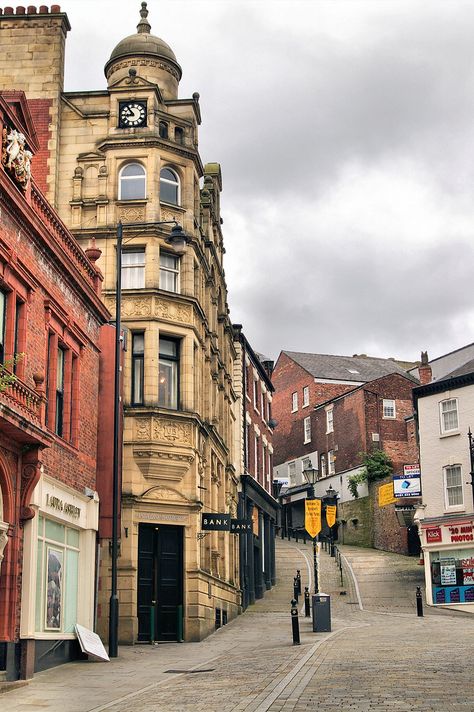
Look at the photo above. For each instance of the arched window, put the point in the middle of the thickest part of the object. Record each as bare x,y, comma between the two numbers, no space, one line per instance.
169,186
163,129
179,134
132,182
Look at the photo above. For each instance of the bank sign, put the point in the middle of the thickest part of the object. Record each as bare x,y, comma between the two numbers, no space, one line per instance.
408,484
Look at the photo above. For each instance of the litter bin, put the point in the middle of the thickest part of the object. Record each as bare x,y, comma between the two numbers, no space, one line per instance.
321,613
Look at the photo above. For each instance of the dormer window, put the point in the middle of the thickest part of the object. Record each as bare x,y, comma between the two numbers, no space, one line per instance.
163,129
169,186
132,182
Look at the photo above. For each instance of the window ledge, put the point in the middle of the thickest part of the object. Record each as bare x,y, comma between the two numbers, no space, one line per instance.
389,417
173,205
305,442
305,405
450,434
455,510
295,410
132,201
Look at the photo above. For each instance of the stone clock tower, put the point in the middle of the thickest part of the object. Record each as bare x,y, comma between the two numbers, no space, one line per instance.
129,153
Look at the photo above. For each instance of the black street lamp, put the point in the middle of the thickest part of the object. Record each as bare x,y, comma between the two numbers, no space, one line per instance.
471,454
310,474
331,499
178,240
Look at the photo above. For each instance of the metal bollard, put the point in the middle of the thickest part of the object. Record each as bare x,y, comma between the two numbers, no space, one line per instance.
419,602
295,589
296,535
298,576
295,625
304,537
307,609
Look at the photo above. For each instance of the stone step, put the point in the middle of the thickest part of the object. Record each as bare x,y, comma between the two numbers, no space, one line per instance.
15,684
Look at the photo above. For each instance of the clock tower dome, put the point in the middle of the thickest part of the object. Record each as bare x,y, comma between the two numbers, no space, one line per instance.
149,55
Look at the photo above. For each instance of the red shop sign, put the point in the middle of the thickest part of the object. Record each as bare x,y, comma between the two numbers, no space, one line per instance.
433,534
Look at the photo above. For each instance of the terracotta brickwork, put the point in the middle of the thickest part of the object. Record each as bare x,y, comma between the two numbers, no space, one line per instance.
289,377
51,295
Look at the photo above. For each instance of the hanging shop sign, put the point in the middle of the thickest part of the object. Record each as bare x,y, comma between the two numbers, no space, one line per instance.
211,522
331,515
312,517
240,526
408,484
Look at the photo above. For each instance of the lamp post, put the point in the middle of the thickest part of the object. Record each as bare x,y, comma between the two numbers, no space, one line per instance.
178,240
310,474
331,499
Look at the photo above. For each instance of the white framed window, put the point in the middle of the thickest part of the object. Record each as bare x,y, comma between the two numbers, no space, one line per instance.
133,269
330,420
169,271
169,187
132,182
294,402
292,472
57,573
168,374
323,465
448,411
305,396
262,401
331,463
256,460
255,394
388,406
307,430
453,485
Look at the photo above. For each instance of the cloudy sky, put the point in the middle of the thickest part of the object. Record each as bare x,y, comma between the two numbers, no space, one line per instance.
345,132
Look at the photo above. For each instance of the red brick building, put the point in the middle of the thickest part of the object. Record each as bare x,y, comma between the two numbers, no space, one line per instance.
329,410
52,314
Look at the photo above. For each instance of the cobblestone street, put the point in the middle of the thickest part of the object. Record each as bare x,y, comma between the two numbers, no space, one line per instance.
379,655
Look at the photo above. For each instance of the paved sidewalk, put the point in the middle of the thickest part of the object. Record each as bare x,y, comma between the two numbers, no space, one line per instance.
381,659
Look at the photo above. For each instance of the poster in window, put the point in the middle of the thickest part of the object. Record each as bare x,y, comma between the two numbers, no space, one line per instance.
448,572
54,589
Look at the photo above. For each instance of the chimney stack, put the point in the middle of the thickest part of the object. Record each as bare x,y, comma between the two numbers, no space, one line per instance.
424,369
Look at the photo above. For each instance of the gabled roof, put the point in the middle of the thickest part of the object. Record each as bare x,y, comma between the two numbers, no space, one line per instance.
357,368
460,377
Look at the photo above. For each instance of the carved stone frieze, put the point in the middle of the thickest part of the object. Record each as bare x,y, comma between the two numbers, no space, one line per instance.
138,306
143,428
173,312
132,214
172,431
143,63
167,214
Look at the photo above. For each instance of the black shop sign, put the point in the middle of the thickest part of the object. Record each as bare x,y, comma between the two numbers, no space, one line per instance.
215,522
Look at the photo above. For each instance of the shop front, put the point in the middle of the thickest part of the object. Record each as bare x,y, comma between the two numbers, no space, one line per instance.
448,545
59,565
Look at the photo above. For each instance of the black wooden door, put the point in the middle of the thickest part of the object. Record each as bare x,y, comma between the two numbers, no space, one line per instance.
160,581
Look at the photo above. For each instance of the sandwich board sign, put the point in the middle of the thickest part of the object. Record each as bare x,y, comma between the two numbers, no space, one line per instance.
91,644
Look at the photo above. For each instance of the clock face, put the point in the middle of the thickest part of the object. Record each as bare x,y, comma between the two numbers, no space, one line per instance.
132,114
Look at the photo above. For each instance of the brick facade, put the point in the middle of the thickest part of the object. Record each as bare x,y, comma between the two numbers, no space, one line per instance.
289,377
50,293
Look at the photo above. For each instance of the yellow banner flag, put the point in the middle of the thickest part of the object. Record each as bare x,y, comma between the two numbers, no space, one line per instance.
331,514
312,518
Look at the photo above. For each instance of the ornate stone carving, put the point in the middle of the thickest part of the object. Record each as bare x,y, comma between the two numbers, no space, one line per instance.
143,429
132,214
141,306
16,157
173,312
172,431
167,214
143,63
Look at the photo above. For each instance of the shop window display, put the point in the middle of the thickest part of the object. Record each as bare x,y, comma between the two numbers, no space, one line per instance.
452,576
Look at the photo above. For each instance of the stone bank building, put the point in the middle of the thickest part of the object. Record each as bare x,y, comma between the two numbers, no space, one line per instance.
129,154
